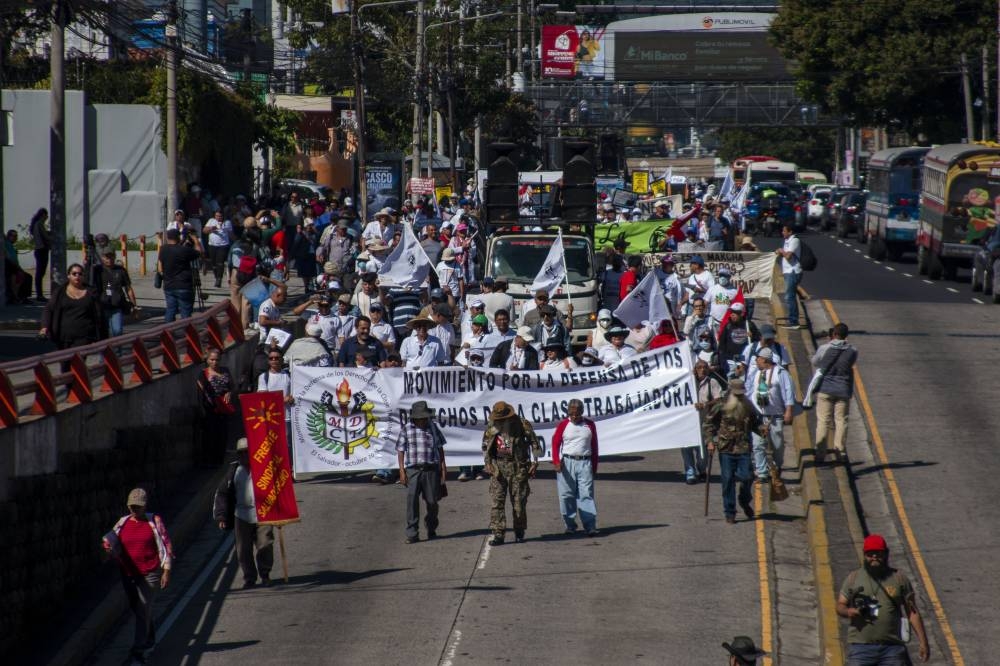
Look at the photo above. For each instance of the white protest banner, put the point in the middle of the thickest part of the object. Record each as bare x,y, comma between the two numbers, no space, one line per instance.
407,265
349,419
753,271
645,303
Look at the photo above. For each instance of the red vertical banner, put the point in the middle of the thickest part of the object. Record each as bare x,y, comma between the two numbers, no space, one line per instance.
560,44
264,424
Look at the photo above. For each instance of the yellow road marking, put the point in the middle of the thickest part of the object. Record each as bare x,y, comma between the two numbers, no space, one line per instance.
766,639
826,592
897,500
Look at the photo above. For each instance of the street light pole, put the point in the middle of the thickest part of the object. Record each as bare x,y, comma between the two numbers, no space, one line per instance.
171,34
418,118
359,111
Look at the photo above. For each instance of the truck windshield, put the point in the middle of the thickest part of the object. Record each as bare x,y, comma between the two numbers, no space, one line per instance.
520,258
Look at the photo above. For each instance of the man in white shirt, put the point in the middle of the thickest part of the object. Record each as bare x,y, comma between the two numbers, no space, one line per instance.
450,275
501,333
345,319
770,390
443,330
422,350
495,297
574,457
382,330
269,313
673,290
700,278
382,228
220,235
617,351
791,271
720,295
767,341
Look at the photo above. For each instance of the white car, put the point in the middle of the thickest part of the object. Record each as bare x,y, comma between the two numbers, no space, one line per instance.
817,200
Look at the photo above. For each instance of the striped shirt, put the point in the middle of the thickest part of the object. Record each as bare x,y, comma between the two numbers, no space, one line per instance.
420,446
405,306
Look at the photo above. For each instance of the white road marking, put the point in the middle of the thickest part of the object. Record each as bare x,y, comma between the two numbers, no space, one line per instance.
225,547
452,648
838,240
928,282
890,268
485,556
834,237
907,275
878,263
859,252
952,290
978,301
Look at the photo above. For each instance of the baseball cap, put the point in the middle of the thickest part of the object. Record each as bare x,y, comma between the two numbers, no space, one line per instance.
724,271
603,314
875,542
767,331
137,497
667,259
696,259
480,319
524,332
487,281
437,293
477,303
444,310
737,307
766,353
377,307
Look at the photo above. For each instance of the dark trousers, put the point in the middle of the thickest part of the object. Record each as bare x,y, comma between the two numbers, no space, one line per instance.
735,468
217,255
141,590
424,483
251,537
41,263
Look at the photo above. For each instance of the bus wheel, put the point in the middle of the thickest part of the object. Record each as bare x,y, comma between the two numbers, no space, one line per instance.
922,260
934,266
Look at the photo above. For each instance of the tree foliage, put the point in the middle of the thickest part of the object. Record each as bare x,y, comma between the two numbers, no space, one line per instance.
808,147
892,63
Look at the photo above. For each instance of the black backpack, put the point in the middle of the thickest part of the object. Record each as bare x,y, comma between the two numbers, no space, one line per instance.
807,258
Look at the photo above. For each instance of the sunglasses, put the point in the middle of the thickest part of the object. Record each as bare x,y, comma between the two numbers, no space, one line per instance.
274,358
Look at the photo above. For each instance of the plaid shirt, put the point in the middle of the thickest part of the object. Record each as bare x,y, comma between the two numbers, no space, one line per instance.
420,446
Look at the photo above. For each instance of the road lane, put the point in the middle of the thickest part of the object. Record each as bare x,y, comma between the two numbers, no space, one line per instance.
928,355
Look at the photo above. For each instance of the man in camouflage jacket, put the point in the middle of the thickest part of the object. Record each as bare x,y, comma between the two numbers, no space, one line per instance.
729,422
510,453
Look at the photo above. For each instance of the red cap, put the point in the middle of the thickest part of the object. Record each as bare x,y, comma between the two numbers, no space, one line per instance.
875,542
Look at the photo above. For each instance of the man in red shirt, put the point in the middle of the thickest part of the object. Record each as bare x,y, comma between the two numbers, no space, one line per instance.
574,456
140,543
630,278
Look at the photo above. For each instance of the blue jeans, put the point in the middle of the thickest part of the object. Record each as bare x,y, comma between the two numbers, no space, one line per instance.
864,654
735,468
116,322
178,301
575,485
777,436
694,464
792,281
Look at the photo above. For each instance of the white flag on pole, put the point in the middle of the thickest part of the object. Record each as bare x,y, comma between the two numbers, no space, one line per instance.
739,201
553,271
407,265
728,187
645,303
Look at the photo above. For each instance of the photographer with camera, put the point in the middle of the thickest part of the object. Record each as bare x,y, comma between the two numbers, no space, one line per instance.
881,606
175,263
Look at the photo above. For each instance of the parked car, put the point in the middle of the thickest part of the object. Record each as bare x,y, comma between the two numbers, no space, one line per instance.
306,189
818,201
850,214
831,211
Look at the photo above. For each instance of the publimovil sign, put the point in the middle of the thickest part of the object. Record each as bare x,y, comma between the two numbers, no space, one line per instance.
569,51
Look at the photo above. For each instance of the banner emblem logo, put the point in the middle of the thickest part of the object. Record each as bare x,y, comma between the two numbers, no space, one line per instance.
342,422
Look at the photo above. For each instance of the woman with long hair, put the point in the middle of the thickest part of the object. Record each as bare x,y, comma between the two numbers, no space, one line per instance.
74,316
218,402
42,239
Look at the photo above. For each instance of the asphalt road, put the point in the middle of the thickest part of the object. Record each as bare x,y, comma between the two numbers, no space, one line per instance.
928,358
661,579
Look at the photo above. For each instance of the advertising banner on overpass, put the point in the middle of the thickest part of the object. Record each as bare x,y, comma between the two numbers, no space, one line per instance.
697,56
349,419
570,51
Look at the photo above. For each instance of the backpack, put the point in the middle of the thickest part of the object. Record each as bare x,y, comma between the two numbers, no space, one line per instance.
807,258
115,284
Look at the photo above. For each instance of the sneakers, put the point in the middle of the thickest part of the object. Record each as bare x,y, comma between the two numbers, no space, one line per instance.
793,327
481,476
376,478
412,539
594,532
570,530
519,537
496,540
464,477
691,480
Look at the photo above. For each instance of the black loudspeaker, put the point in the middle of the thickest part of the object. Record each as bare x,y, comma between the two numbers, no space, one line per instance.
579,188
501,183
610,153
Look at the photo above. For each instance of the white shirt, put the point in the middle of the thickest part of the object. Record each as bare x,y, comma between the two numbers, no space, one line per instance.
497,300
277,381
702,282
331,329
672,290
792,245
493,340
364,302
374,230
443,332
610,355
576,440
267,310
426,354
779,389
246,508
345,328
219,234
383,332
449,275
718,299
559,364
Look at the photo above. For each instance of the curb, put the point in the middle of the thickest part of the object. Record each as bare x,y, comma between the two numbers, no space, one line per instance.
815,514
78,648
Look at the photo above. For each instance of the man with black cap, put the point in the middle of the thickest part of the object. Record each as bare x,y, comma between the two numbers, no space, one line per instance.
767,341
422,468
533,316
673,290
875,599
175,264
444,330
727,427
743,652
510,452
617,351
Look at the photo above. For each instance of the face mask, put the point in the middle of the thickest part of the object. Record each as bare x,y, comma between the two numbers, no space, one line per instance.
704,345
587,360
724,280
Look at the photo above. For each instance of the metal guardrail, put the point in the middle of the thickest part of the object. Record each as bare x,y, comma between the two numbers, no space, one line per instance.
179,345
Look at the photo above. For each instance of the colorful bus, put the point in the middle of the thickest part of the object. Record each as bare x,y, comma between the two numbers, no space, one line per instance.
959,196
892,211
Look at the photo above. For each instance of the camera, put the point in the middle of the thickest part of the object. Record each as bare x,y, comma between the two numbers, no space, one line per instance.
866,605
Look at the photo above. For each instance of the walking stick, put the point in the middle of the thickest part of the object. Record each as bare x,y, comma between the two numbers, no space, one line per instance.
708,477
281,545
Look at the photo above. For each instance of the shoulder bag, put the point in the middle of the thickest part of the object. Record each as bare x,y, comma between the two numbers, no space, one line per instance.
808,401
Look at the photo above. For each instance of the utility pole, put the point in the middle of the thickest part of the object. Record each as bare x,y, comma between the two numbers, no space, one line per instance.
171,34
3,142
970,127
449,91
986,95
57,145
417,109
359,112
520,38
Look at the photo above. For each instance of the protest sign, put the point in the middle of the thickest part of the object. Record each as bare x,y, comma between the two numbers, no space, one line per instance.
264,424
753,272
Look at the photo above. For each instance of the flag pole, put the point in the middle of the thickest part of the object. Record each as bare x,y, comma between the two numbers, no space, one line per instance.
281,545
569,294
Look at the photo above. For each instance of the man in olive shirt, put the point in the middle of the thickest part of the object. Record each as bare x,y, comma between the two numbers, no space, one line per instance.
875,598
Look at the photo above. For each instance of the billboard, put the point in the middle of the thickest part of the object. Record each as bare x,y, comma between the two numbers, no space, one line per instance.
384,180
697,56
570,51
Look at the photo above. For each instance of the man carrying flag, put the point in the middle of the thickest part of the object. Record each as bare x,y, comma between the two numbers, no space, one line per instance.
735,333
550,276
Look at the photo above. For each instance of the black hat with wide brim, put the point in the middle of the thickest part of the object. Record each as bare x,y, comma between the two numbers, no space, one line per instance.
744,648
